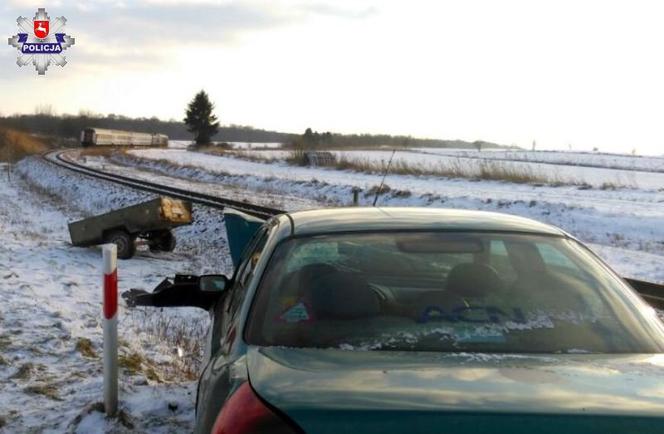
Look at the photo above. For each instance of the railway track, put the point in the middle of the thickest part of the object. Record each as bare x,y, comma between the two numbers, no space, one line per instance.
653,293
59,158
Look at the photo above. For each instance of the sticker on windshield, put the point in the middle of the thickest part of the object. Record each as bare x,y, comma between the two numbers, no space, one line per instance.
432,313
296,313
480,335
471,314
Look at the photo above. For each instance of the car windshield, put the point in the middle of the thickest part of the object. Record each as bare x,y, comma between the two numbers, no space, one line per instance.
448,292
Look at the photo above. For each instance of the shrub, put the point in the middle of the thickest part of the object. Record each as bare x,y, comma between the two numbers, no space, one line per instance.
15,145
297,156
373,190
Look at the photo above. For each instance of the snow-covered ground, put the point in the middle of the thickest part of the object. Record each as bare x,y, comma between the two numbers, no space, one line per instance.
50,321
263,145
595,173
50,315
195,180
590,159
237,145
179,144
625,218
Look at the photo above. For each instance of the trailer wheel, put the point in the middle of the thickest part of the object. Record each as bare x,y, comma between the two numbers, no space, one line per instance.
124,242
164,242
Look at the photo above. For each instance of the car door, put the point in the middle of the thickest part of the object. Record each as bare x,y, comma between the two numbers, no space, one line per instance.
215,382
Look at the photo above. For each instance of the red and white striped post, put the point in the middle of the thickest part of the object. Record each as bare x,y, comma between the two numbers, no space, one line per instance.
110,253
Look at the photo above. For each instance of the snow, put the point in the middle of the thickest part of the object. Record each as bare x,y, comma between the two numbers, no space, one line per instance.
237,145
52,307
624,218
639,265
633,172
51,294
179,144
245,145
193,179
591,159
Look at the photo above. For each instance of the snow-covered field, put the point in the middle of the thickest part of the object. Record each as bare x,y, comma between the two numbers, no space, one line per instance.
180,144
624,218
50,315
633,172
590,159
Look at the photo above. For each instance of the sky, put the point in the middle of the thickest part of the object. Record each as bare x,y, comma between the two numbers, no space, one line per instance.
567,74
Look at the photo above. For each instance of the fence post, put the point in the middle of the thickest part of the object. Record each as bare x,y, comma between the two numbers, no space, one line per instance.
110,329
356,195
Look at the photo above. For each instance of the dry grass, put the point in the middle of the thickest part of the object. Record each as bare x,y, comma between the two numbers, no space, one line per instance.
297,157
5,341
608,186
220,149
84,346
98,407
494,171
227,151
373,190
24,372
132,362
48,390
102,151
251,156
15,145
386,189
184,336
487,170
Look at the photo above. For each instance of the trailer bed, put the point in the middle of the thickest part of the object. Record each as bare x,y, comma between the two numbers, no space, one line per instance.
151,220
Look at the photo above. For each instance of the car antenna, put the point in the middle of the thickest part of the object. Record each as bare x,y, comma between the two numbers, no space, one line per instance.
387,169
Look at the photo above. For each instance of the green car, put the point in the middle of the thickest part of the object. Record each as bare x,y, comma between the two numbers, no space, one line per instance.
408,320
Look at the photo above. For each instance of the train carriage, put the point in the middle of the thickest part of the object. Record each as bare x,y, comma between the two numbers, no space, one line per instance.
104,137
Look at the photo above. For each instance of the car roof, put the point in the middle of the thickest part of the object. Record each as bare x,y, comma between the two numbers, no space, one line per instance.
359,219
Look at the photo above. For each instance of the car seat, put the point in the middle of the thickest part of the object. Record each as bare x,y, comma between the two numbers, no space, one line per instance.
337,294
472,280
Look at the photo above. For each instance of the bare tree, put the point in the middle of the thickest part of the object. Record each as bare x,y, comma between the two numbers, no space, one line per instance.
44,110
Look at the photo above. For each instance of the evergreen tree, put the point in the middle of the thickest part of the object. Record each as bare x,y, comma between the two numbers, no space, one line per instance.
308,137
200,121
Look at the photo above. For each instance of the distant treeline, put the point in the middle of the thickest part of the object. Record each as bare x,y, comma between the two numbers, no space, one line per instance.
314,139
70,126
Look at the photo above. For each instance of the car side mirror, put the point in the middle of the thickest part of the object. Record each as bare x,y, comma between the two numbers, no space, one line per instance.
181,291
214,283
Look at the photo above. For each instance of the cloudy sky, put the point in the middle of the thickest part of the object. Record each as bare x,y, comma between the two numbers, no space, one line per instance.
564,73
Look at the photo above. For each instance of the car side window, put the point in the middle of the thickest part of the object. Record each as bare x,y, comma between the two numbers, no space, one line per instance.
246,271
234,298
499,260
554,258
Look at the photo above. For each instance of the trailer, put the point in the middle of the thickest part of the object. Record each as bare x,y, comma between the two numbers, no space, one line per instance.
104,137
151,221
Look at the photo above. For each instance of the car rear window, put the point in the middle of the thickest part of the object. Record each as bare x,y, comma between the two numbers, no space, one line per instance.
441,291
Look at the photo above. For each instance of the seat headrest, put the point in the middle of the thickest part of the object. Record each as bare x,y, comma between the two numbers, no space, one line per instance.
336,294
473,280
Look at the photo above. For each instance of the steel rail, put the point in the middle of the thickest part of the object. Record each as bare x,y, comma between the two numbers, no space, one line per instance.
57,158
653,293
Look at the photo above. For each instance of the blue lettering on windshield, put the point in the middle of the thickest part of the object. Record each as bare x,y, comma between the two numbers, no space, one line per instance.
471,314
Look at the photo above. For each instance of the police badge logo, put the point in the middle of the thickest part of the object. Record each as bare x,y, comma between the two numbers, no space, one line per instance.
41,43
